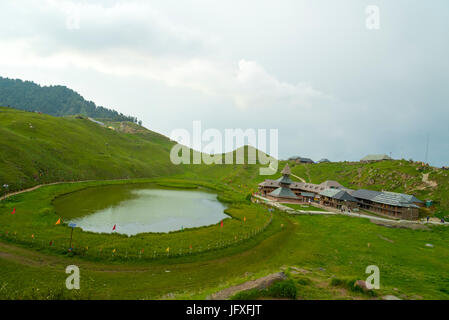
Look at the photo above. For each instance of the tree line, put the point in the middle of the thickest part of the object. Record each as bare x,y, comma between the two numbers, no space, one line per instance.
53,100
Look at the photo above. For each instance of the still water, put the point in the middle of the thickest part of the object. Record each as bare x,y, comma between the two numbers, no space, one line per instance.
137,210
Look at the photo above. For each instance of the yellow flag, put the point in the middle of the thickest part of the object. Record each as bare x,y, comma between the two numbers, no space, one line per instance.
244,219
32,236
113,251
59,221
168,250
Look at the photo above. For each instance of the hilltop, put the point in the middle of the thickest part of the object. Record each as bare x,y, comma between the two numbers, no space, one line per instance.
53,100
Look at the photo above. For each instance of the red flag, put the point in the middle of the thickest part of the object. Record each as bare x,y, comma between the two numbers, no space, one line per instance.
221,224
13,211
113,228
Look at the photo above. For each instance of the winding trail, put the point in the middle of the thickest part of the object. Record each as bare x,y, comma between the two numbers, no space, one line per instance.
430,183
299,178
50,184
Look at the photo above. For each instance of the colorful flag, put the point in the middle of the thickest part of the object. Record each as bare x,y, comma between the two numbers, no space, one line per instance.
221,224
244,219
13,211
113,228
58,222
168,249
32,236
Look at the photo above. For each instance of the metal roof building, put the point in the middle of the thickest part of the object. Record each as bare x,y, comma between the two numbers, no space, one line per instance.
376,157
338,195
387,197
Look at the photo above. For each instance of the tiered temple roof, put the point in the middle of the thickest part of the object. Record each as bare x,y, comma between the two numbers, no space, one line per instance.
284,182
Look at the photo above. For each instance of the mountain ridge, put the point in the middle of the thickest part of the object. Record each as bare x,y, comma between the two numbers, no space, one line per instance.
54,100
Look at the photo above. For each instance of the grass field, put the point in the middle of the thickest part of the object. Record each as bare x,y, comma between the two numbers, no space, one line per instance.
328,246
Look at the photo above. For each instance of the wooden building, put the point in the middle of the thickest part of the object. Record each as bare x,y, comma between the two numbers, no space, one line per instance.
338,199
333,194
390,204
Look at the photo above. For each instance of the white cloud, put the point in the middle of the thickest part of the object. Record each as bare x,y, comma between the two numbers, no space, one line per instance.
256,87
133,39
310,69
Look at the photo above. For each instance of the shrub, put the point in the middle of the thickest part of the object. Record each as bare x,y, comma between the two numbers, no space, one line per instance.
350,285
252,294
303,281
282,289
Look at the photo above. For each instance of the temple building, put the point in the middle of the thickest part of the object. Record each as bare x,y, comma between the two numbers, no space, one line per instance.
332,194
283,193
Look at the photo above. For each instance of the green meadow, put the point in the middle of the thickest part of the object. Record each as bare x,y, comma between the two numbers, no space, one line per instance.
326,247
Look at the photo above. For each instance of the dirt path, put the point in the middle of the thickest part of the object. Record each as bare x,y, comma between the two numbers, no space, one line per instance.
299,178
50,184
260,283
430,183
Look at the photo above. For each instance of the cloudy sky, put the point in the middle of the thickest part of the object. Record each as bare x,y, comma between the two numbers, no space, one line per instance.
311,69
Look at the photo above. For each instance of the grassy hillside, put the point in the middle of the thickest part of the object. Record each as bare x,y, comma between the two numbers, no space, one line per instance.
38,148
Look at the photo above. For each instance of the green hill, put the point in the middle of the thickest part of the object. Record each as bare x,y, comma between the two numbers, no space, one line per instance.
38,148
53,100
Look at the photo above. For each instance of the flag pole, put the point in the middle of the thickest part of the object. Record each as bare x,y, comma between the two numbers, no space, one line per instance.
72,225
71,236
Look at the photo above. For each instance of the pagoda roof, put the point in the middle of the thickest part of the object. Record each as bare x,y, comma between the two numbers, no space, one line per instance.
286,170
285,180
283,192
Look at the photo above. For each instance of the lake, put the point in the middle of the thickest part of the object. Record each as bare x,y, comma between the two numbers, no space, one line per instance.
137,209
